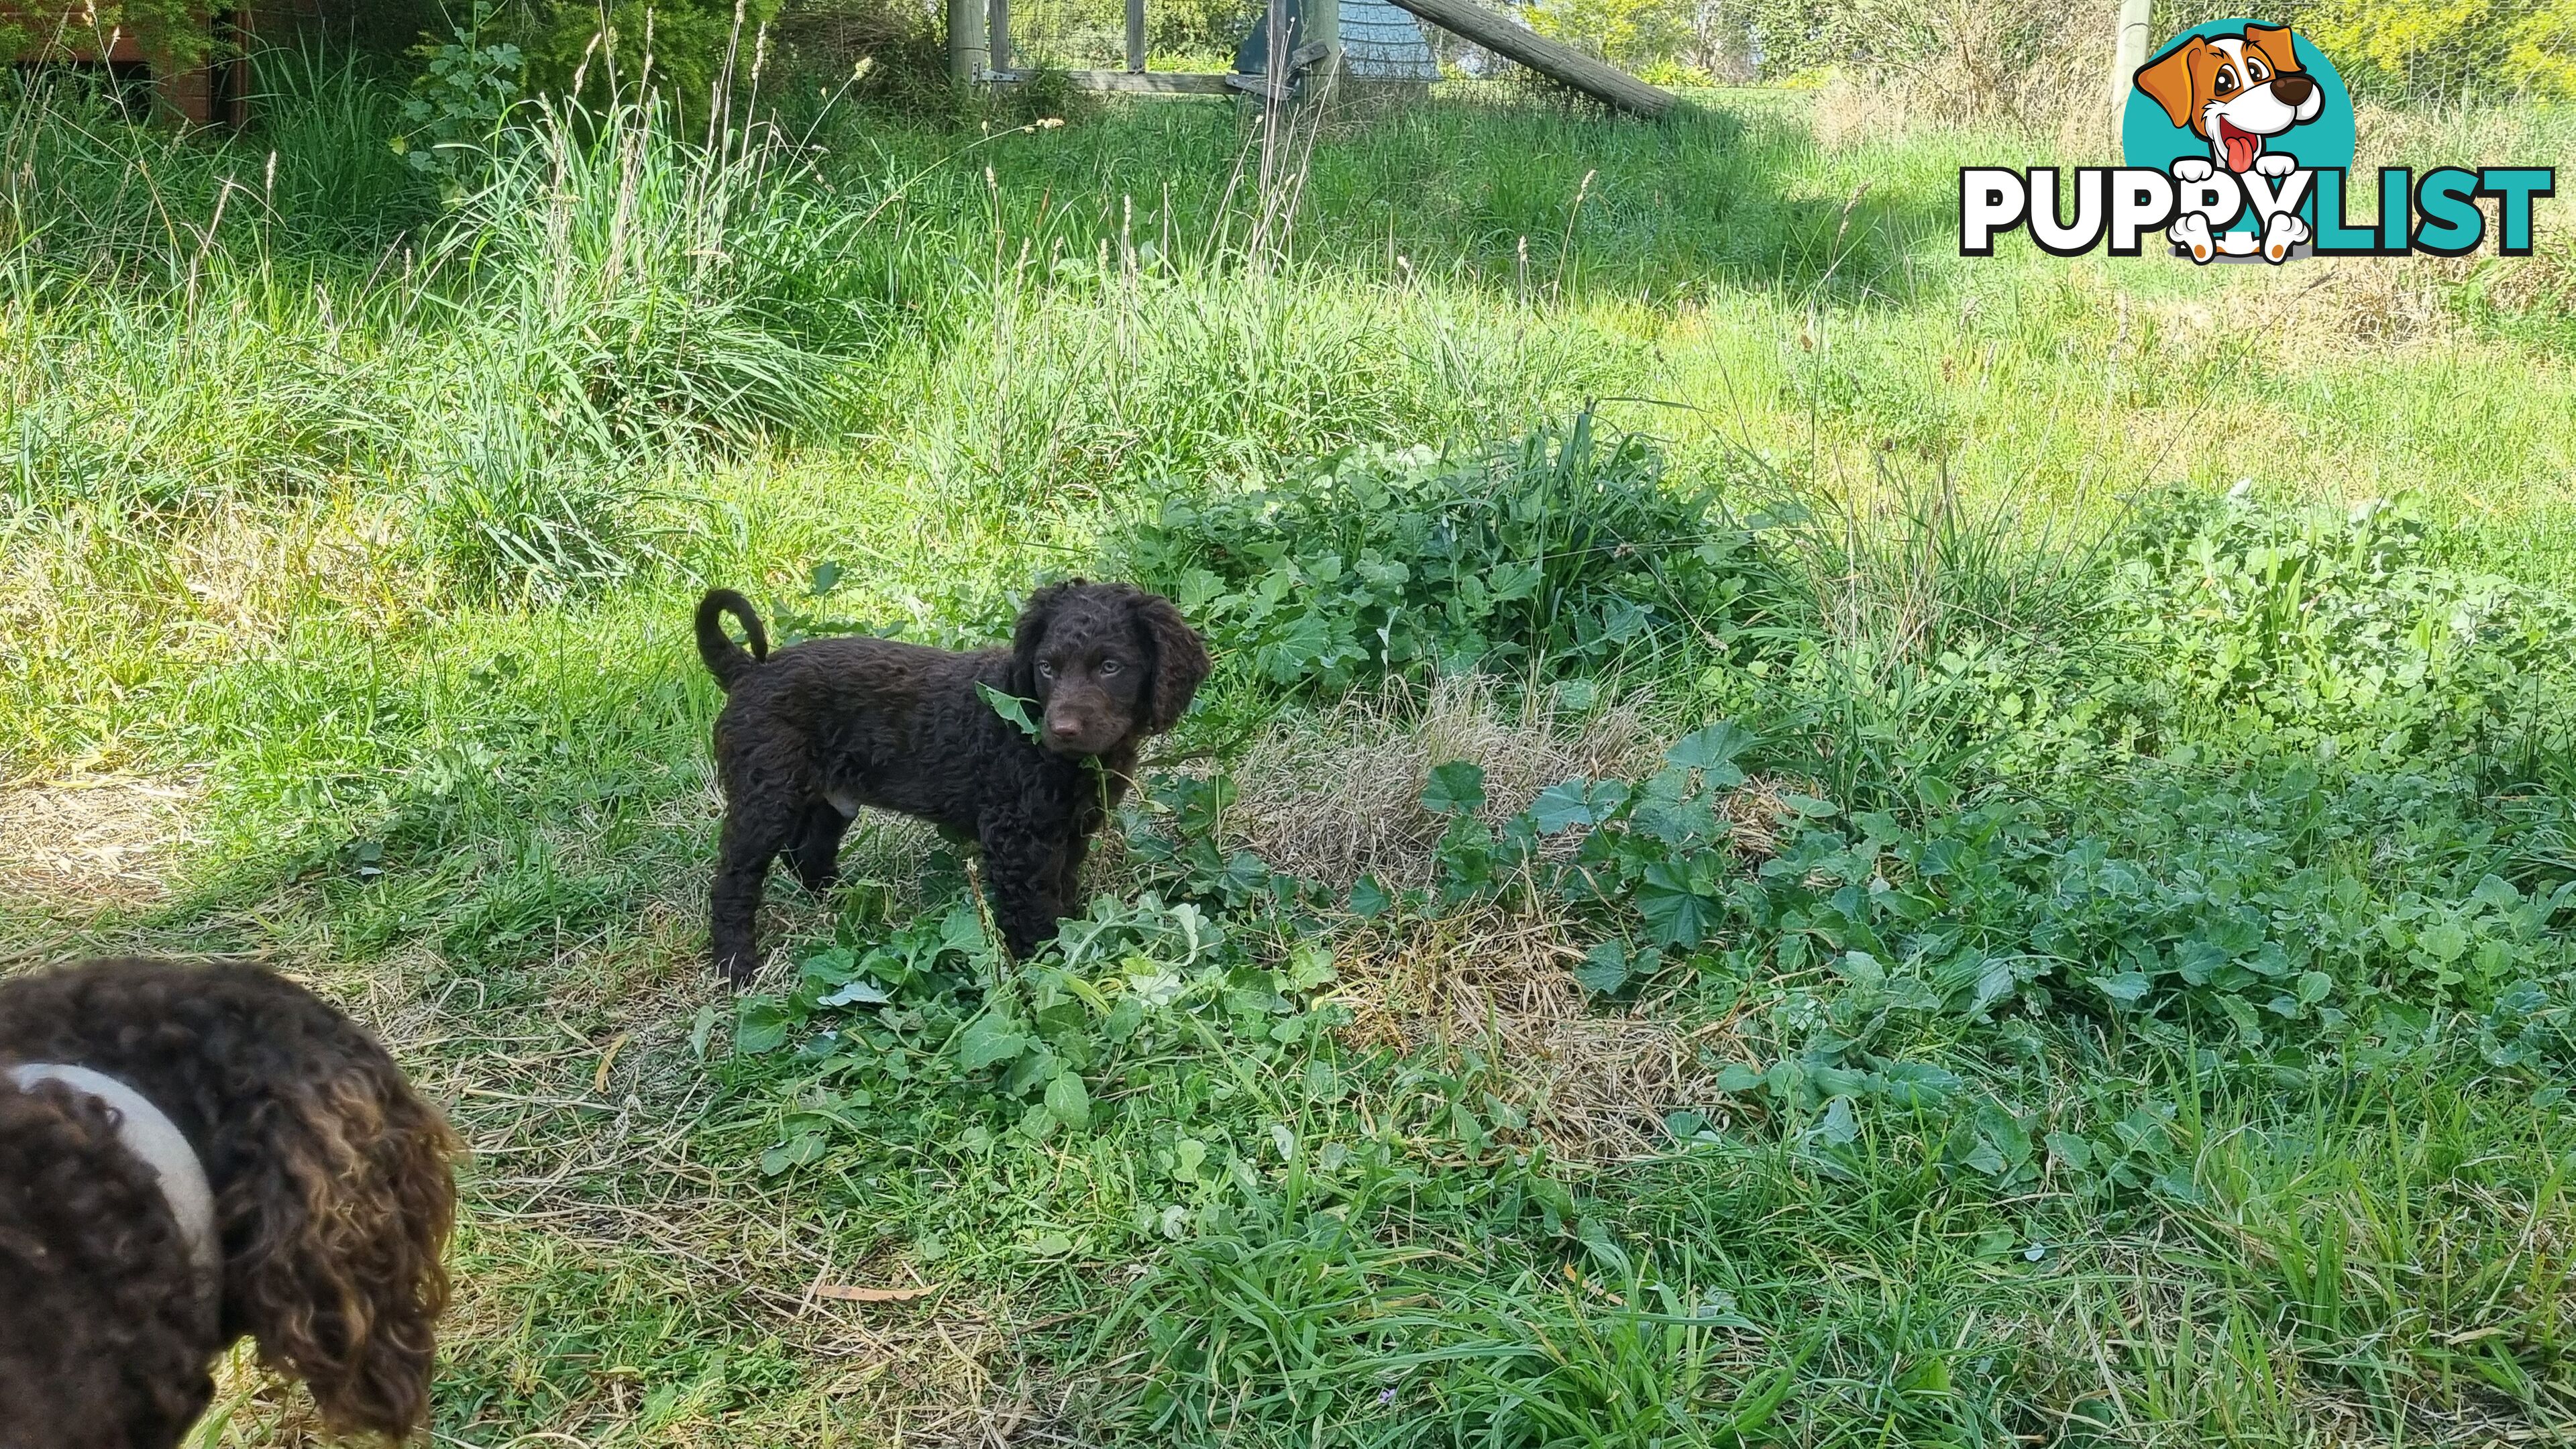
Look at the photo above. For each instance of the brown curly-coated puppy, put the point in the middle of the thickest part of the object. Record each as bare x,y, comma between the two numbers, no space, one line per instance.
816,731
303,1200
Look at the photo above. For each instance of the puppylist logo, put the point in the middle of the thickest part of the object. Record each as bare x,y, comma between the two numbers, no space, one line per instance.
2238,142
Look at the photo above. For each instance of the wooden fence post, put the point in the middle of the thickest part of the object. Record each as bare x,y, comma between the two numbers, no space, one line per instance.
1323,27
969,54
2136,27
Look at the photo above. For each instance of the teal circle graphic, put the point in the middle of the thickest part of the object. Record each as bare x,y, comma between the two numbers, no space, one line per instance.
2148,138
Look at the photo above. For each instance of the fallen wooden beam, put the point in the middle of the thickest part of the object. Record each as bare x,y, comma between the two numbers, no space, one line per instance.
1605,83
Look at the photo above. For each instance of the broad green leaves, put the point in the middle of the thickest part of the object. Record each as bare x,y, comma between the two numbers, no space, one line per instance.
1010,707
1456,788
760,1026
1678,902
1562,807
935,1010
1068,1101
1370,900
1608,967
1559,551
987,1041
1713,751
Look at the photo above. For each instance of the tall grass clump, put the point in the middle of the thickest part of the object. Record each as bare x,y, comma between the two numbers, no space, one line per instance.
145,275
608,300
621,301
683,293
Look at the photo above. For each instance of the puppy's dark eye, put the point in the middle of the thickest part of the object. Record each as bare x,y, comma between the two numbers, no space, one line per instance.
2226,81
1110,666
2255,74
1046,671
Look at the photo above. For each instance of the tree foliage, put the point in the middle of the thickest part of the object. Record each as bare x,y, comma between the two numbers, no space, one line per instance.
172,32
679,46
2431,50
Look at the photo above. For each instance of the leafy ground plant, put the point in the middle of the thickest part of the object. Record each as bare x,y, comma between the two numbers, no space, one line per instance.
1559,553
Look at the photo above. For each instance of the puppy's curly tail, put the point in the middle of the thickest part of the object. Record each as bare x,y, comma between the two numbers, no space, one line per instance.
725,659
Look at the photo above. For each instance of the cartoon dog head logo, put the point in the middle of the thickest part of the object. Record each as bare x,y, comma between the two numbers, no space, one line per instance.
2234,111
2237,143
2237,92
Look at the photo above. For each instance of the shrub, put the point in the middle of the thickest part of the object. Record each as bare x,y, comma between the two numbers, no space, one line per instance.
457,104
2429,50
686,44
1558,551
172,32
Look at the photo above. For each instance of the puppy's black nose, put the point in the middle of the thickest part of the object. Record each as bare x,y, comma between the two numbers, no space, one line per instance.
2292,90
1064,729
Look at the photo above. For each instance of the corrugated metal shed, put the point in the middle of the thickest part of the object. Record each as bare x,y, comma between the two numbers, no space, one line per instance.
1379,43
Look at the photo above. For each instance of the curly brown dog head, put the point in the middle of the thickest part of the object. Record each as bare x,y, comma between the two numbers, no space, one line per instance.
332,1187
1110,663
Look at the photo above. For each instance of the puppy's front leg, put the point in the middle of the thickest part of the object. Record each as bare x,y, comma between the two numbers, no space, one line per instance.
818,851
1023,878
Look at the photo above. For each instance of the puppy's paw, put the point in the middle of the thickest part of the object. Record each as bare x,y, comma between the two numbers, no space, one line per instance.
2282,233
2191,168
2191,230
2272,164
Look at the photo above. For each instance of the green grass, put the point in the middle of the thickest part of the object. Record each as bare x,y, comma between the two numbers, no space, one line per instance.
369,532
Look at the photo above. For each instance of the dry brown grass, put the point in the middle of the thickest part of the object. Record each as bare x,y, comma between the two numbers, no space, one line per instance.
1333,797
1337,797
1956,63
1593,1086
2365,306
586,1115
2335,308
83,845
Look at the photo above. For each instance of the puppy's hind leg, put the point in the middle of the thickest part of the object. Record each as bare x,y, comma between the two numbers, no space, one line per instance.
818,849
733,905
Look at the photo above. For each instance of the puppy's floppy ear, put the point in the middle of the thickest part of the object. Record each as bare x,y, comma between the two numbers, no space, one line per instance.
1180,661
1030,632
2170,82
336,1241
2276,44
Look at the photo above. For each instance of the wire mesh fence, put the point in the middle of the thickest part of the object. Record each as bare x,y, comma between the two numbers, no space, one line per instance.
1192,35
1963,59
2441,52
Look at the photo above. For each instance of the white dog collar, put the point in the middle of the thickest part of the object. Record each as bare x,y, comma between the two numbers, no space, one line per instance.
148,1133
